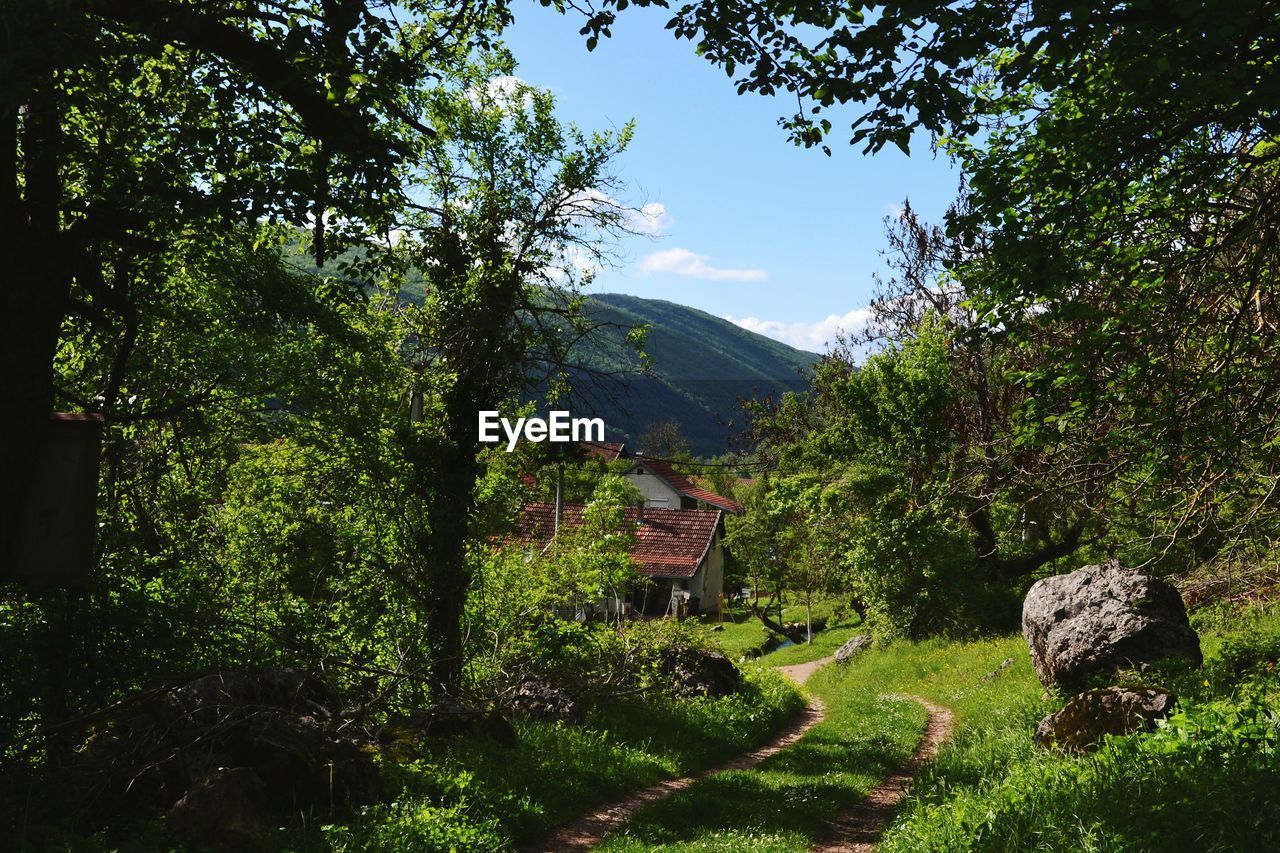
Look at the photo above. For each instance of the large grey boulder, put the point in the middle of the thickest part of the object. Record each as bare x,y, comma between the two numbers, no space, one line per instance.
1085,720
1104,618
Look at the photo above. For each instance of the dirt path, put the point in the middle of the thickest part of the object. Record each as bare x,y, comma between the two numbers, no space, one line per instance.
858,829
800,672
590,829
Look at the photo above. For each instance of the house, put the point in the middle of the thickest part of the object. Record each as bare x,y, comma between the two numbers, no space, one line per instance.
609,451
664,488
679,550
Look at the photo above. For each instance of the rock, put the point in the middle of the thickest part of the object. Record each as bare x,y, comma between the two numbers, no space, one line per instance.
223,811
541,700
450,718
1089,716
1103,618
996,673
852,648
694,672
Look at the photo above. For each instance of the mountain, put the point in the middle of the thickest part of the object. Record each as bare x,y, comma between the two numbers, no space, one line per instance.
701,365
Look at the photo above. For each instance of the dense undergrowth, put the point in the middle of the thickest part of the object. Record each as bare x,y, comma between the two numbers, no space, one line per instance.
479,796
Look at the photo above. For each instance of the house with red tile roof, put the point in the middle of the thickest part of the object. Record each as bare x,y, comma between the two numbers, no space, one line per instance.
609,451
664,488
679,550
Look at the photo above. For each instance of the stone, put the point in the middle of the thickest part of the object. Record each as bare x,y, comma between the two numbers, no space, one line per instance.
998,671
222,811
539,699
695,672
1102,619
1089,716
852,648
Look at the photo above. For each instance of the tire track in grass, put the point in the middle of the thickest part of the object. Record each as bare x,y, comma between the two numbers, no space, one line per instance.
590,829
859,828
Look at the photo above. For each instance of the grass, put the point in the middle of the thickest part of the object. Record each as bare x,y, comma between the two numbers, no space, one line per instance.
742,635
1203,781
480,796
783,803
825,642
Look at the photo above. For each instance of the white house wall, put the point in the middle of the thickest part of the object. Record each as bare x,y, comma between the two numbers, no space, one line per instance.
655,490
713,577
708,582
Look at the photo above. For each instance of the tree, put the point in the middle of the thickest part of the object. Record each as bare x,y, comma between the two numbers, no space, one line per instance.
516,210
665,440
1120,162
127,127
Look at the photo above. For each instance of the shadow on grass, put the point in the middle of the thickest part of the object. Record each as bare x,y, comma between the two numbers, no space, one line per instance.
559,771
786,802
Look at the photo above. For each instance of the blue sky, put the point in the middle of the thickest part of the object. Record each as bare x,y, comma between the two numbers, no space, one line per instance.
781,239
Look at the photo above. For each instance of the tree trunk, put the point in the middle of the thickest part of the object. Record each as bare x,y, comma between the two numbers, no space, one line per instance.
775,627
33,294
447,576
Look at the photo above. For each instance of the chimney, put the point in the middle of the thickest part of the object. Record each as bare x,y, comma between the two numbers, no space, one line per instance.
640,512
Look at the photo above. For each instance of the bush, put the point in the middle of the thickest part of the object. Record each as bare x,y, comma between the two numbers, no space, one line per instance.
477,795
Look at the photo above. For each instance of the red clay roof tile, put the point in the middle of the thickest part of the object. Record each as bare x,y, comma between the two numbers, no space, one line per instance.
609,451
671,543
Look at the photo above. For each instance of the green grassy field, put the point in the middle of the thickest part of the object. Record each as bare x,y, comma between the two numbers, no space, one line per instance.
783,804
741,634
1204,781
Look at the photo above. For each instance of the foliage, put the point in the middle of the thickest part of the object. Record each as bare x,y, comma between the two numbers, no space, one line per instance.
870,489
527,596
1114,240
482,794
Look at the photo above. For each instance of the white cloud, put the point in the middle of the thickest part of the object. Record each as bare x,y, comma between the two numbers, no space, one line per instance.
504,86
652,219
507,92
817,336
687,263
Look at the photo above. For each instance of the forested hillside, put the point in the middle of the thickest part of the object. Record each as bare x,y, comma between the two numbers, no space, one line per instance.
700,366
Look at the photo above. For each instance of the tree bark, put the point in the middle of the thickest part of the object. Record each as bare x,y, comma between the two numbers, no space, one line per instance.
33,295
775,627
